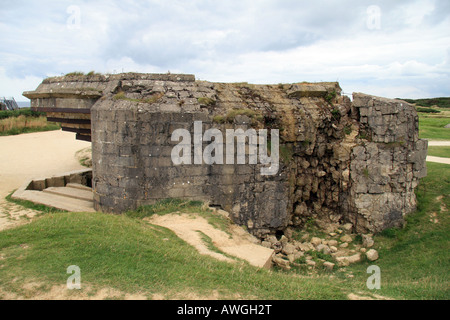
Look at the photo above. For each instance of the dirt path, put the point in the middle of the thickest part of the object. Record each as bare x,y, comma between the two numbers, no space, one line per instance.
439,143
238,243
438,159
29,156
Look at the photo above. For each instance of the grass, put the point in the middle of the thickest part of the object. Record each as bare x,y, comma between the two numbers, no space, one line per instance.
432,128
27,112
80,74
84,157
120,252
33,206
443,152
25,124
206,101
128,254
415,260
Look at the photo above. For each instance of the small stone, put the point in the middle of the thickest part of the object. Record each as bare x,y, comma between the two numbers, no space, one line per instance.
372,255
333,249
321,174
288,233
355,258
329,266
344,245
346,238
367,241
284,240
266,244
347,227
333,234
310,263
298,255
280,262
277,247
320,247
343,261
363,250
346,261
303,247
272,239
316,241
288,249
332,243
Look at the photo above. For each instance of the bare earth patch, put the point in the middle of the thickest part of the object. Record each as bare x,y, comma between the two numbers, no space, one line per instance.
29,156
238,243
35,291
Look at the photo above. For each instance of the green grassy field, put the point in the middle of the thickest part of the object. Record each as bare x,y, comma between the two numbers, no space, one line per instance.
443,152
434,115
120,252
432,128
129,255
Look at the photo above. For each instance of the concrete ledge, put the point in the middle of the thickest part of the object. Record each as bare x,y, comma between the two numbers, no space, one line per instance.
33,191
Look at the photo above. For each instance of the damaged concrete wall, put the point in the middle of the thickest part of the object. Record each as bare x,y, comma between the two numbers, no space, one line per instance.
340,161
386,168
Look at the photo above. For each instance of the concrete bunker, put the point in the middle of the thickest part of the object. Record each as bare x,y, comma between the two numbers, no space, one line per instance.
340,160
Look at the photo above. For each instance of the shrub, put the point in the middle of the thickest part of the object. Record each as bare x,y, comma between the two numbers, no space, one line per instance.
206,101
427,110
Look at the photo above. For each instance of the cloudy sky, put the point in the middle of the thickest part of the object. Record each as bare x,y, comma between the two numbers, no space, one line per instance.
388,48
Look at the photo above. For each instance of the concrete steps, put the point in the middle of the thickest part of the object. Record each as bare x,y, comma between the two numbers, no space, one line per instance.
73,191
72,197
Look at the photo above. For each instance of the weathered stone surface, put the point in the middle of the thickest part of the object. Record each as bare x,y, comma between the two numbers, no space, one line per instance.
346,261
340,161
386,170
372,255
367,241
329,266
316,241
288,249
333,243
347,238
281,262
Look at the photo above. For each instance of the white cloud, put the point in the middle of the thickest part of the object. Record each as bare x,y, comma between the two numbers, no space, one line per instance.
264,41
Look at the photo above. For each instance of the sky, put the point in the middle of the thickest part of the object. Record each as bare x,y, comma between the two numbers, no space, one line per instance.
389,48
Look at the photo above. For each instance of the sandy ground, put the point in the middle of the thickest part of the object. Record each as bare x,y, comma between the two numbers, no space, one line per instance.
29,156
438,160
439,143
237,243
